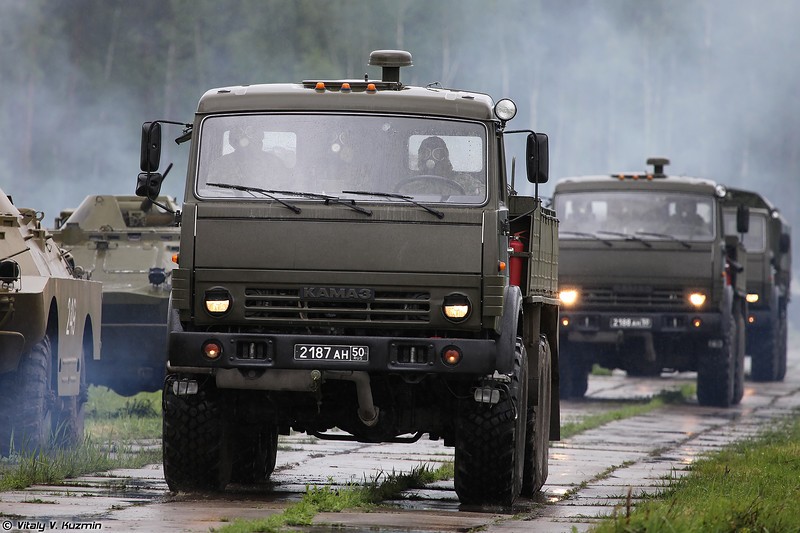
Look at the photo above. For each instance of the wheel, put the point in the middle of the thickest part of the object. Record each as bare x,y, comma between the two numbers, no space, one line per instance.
574,368
537,434
715,371
425,182
26,402
255,453
782,340
490,442
194,440
738,353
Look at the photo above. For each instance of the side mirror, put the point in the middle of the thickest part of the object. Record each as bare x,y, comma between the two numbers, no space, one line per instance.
148,184
537,159
151,147
742,219
785,243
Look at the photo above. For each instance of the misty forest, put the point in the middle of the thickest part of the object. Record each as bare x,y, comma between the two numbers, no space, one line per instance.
711,84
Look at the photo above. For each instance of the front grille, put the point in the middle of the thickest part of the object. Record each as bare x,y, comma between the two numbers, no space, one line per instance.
634,296
388,307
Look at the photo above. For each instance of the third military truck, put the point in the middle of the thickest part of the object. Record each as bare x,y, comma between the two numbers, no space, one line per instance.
769,276
355,264
649,280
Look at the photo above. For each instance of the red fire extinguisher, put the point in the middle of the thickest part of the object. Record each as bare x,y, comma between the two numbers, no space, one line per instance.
515,261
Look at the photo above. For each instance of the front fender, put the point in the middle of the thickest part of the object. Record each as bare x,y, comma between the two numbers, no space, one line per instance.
509,329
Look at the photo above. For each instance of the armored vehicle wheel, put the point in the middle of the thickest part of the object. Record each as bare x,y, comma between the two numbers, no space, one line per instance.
426,182
255,451
194,440
27,402
537,436
769,354
738,354
490,442
715,371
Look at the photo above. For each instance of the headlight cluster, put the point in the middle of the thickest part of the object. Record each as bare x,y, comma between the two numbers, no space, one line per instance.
697,299
569,297
217,301
456,307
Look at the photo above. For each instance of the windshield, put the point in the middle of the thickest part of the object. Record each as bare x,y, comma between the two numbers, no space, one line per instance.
755,240
646,214
428,160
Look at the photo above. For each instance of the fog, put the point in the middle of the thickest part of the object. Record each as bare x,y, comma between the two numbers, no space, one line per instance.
709,84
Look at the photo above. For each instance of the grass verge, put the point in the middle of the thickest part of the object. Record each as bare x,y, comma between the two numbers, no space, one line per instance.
752,485
656,402
355,496
114,427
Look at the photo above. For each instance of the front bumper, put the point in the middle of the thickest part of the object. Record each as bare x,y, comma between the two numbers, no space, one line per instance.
386,354
603,326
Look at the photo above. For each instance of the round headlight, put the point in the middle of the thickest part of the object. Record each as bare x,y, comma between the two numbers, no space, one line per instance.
697,299
456,307
505,109
568,296
217,301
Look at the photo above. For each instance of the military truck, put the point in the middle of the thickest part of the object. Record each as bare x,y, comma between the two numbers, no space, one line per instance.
649,281
127,243
769,276
49,331
367,273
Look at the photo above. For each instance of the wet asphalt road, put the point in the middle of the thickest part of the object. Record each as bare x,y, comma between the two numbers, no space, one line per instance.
591,474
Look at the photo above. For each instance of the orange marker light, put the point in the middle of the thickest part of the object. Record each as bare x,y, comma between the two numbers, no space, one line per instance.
371,88
175,258
451,356
696,322
501,266
345,87
320,86
565,321
212,350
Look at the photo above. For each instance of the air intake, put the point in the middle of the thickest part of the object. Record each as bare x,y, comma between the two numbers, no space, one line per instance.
391,61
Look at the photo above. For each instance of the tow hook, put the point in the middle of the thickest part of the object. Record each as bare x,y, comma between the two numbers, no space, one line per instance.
489,390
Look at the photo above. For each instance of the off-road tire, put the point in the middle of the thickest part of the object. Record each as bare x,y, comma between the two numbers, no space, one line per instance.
715,371
738,352
782,342
768,355
194,441
537,435
574,368
490,442
27,399
254,453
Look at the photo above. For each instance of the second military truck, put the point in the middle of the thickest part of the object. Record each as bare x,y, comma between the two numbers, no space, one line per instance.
354,265
649,281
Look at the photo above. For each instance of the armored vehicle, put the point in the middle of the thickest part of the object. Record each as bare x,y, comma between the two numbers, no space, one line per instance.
649,281
126,243
354,265
769,276
49,331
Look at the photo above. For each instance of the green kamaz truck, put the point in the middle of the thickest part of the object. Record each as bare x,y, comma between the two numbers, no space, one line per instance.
650,282
128,244
769,277
356,265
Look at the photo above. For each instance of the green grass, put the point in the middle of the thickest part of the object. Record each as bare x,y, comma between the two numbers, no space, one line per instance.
114,425
656,402
750,486
353,496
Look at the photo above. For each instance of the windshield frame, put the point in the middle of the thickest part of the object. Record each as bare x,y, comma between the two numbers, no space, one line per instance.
396,126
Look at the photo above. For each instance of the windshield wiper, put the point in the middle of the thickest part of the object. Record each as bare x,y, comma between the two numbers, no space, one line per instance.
627,236
409,199
665,236
328,200
251,190
583,234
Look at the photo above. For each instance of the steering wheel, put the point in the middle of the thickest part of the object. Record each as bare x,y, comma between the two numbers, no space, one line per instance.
438,183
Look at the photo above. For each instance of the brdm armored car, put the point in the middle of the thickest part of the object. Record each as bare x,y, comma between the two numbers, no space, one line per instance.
49,331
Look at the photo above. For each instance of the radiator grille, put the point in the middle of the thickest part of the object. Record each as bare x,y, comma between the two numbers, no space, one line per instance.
634,296
388,307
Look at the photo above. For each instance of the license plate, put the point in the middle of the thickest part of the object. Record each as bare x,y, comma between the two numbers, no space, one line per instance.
629,322
330,352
